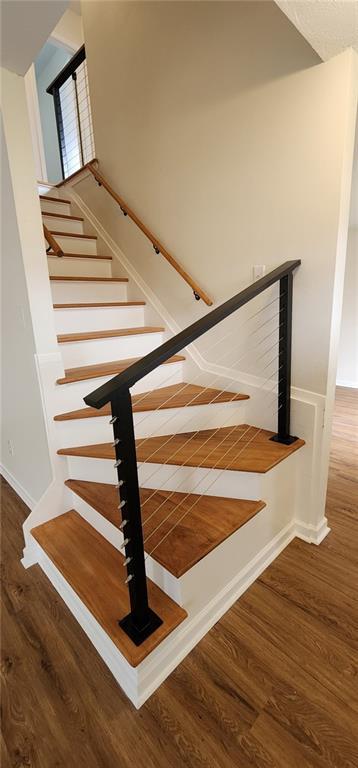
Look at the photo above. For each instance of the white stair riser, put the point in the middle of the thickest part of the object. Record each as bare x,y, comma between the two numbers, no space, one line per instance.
75,267
77,292
51,207
101,350
63,225
70,244
214,572
76,320
161,422
211,482
68,397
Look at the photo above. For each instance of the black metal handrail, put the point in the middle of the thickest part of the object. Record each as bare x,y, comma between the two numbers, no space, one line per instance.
67,70
99,397
142,621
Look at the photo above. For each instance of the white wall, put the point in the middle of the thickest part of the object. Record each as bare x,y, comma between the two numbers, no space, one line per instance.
46,71
347,373
24,450
219,126
27,322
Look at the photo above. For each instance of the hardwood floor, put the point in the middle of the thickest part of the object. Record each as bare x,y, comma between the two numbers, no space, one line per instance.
273,685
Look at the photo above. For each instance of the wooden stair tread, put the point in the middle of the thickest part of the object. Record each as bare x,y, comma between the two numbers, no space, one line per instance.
208,521
242,448
86,279
85,372
73,234
65,338
86,305
175,396
54,199
94,570
62,216
81,256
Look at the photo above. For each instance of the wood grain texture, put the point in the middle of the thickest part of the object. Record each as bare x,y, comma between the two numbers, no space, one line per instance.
94,570
52,242
62,216
154,240
74,234
66,338
202,522
174,396
105,369
55,199
86,279
242,448
272,685
83,256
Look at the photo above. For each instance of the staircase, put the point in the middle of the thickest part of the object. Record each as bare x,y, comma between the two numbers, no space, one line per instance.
195,540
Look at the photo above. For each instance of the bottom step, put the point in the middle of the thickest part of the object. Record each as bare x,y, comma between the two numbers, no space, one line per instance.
93,568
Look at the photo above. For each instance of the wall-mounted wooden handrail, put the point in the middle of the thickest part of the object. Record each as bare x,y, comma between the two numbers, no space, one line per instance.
157,245
52,242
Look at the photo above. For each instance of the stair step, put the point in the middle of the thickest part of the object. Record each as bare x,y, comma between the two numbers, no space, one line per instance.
86,279
208,521
81,256
65,338
175,396
73,234
94,570
85,372
55,199
242,448
62,215
100,304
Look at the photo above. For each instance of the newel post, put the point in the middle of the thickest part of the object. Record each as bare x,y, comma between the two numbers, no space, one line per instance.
141,621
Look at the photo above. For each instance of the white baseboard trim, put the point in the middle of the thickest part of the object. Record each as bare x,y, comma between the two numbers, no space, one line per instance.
140,683
310,533
17,487
347,383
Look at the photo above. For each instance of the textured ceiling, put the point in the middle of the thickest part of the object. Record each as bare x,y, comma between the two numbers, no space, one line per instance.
330,26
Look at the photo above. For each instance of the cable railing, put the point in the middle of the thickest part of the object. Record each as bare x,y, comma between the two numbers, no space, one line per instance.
73,114
267,350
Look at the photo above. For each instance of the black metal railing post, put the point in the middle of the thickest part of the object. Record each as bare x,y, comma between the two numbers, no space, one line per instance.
59,126
74,78
284,363
141,621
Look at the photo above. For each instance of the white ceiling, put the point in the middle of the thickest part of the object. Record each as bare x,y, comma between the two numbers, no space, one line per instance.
330,26
26,25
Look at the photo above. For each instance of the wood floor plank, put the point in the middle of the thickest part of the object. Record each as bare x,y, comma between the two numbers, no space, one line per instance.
180,395
242,448
198,526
